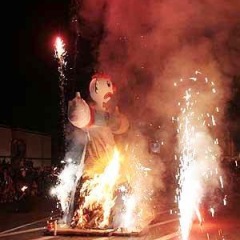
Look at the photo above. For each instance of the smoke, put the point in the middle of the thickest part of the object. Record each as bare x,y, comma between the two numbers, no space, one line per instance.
148,45
140,36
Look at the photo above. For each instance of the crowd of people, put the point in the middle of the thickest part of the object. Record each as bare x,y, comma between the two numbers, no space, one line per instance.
17,182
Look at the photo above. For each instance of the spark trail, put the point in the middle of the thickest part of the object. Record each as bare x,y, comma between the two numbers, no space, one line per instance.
199,150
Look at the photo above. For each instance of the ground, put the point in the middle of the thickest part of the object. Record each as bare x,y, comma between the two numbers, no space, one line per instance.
31,225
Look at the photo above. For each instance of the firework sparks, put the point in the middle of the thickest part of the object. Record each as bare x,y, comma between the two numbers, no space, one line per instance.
24,188
225,200
60,51
67,183
199,152
60,55
212,211
67,180
130,206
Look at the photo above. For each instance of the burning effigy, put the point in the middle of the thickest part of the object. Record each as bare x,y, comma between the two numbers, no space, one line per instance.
98,193
145,52
100,120
104,190
102,162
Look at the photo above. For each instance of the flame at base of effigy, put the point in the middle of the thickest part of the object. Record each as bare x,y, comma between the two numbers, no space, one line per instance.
96,198
105,201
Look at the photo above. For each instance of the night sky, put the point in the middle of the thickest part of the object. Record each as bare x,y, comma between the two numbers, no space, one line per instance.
30,92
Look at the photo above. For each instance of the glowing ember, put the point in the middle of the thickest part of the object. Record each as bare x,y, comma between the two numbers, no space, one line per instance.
225,200
221,181
212,211
24,188
199,150
130,205
60,54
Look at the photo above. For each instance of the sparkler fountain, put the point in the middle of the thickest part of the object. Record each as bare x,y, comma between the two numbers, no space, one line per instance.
199,149
70,175
60,55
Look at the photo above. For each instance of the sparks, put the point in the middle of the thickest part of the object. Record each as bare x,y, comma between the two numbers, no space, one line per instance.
60,55
225,200
212,211
128,219
221,181
213,121
24,188
199,152
60,51
65,185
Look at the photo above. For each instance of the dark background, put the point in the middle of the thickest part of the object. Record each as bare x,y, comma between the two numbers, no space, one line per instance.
30,92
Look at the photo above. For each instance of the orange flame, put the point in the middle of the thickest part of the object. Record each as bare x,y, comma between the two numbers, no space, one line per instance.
98,194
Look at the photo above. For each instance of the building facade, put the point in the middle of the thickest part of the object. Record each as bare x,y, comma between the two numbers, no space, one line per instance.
20,145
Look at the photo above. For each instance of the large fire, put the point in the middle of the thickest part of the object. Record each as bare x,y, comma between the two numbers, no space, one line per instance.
98,197
105,200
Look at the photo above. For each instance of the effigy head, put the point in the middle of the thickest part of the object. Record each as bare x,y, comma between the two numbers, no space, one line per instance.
101,90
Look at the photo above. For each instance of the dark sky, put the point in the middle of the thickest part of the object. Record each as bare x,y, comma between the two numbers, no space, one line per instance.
30,92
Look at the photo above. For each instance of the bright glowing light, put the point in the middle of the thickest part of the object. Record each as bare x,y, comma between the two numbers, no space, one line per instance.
66,185
199,216
225,200
98,195
198,151
60,55
59,49
221,181
24,188
130,206
212,211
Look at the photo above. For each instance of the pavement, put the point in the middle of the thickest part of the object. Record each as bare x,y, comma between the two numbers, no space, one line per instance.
15,214
31,224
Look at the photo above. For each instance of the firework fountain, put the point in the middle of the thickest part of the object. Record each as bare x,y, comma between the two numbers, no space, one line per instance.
72,172
199,150
60,55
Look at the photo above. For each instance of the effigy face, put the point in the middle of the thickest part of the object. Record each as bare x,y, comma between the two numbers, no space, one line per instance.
101,91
